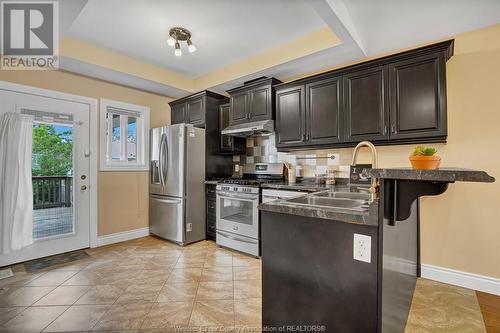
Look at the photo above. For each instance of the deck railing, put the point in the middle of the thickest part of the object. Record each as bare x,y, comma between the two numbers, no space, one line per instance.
52,191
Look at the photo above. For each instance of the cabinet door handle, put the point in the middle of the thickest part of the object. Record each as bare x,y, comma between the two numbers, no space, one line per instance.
393,129
385,129
308,136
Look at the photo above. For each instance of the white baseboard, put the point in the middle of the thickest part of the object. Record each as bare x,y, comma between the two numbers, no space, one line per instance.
122,236
463,279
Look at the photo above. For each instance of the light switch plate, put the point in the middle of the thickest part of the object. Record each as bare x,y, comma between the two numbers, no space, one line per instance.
362,248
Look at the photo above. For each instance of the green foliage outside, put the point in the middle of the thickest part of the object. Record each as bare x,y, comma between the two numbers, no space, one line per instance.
52,150
424,151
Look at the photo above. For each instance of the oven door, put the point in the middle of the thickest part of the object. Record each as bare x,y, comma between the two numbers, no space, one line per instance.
238,214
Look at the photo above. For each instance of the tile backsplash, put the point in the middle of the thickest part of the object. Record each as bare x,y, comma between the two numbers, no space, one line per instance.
262,149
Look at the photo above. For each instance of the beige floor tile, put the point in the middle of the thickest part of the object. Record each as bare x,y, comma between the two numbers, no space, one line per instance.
123,278
248,311
63,295
242,260
247,289
102,294
191,274
217,274
19,279
124,316
215,290
160,264
166,315
23,296
247,273
184,262
7,314
103,264
185,291
220,261
74,265
152,277
140,293
439,307
193,253
33,319
78,318
84,278
212,313
52,278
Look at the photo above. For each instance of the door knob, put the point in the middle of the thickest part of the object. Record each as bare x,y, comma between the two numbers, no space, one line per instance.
83,177
83,187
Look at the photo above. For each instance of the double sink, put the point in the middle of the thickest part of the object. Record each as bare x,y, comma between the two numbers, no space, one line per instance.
336,200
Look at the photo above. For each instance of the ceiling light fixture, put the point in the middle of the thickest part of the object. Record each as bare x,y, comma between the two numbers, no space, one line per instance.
178,51
178,34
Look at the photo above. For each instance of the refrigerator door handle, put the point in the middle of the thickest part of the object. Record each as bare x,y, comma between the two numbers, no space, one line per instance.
160,162
167,201
166,160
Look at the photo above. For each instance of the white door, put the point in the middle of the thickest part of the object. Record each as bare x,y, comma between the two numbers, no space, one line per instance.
61,192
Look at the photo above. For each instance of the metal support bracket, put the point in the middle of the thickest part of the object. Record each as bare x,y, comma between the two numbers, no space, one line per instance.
399,195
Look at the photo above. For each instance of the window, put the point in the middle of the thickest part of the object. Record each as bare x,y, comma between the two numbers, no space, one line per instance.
124,136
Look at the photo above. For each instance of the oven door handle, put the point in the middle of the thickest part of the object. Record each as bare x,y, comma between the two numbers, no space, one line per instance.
237,196
223,234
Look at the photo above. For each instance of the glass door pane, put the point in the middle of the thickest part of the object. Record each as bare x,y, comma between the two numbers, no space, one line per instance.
236,210
52,177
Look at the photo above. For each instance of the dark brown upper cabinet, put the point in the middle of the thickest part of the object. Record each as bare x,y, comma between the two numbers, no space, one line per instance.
398,99
323,111
196,111
418,97
239,105
366,105
261,103
202,110
229,144
178,113
253,101
290,117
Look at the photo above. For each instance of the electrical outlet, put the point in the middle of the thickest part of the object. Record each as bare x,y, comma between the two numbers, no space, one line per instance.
362,248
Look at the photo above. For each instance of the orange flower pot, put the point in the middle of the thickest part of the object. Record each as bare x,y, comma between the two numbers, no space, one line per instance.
425,162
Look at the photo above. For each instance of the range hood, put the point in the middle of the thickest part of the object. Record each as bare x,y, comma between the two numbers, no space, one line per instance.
250,129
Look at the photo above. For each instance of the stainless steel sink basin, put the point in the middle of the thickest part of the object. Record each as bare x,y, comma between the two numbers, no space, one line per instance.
318,201
344,195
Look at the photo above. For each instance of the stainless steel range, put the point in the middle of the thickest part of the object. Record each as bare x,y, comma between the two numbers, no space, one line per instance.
237,217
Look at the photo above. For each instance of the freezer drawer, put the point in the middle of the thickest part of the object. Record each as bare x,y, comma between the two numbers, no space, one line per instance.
166,218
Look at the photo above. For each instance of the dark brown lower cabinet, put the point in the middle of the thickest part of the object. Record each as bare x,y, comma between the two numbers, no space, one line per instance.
211,210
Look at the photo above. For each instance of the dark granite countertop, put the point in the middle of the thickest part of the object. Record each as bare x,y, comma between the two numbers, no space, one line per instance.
449,175
368,216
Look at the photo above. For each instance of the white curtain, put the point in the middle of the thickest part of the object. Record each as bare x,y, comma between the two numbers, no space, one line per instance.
16,191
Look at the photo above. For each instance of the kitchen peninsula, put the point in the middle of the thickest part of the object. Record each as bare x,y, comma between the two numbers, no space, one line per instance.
362,277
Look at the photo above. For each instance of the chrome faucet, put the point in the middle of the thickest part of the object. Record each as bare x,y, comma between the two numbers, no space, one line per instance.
374,184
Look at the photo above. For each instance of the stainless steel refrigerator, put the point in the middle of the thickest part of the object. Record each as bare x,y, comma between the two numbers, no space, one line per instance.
177,189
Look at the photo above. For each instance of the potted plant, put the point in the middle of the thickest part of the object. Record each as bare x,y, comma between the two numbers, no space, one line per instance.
425,158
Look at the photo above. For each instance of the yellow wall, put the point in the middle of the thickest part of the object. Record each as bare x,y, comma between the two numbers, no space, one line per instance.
123,196
461,228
